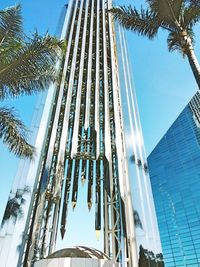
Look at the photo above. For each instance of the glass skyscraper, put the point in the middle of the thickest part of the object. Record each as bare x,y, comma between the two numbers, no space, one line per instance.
174,167
89,134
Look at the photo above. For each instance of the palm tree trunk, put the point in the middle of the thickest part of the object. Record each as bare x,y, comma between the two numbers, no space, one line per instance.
194,63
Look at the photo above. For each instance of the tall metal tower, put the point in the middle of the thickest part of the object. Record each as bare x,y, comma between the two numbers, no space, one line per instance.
89,132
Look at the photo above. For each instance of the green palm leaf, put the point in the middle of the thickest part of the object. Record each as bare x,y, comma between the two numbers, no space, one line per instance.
14,134
28,68
10,23
143,22
174,42
191,16
167,10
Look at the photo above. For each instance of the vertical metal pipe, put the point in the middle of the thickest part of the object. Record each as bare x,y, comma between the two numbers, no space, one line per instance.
54,227
106,224
75,184
89,80
80,84
90,184
107,136
61,89
97,84
83,171
56,199
64,135
116,96
66,199
118,126
98,201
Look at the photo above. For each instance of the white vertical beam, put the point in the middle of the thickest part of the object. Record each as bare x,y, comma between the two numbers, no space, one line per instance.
148,220
80,84
89,81
117,117
134,130
107,134
97,86
116,96
130,225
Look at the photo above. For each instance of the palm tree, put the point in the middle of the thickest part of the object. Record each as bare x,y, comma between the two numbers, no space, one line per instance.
177,17
27,65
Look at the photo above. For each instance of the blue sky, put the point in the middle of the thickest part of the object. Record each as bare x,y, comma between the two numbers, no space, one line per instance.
164,82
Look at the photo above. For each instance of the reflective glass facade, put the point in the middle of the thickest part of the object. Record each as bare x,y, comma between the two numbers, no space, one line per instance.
174,167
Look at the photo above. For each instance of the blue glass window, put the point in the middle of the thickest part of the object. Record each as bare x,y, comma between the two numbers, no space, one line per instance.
174,167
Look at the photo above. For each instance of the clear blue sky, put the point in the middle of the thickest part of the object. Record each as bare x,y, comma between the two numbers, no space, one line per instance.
164,82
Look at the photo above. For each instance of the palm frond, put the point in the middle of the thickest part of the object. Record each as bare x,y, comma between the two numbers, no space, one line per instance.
28,68
143,22
168,26
14,134
191,16
167,10
10,23
176,42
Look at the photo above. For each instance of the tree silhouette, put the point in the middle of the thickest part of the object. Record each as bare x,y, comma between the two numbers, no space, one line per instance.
177,17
